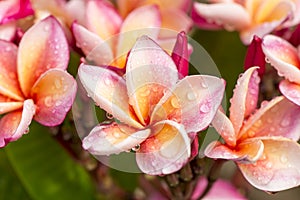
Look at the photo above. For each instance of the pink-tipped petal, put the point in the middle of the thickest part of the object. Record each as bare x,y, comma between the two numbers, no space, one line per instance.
8,31
7,105
149,72
76,10
176,21
255,56
14,9
54,93
9,85
109,92
180,55
102,18
96,49
245,96
283,56
224,127
224,14
166,151
278,169
290,91
202,22
42,47
247,151
145,20
193,102
113,139
15,124
279,117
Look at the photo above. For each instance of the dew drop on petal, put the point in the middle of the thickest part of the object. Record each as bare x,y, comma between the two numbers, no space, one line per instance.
204,108
48,101
57,83
145,93
283,159
175,103
191,96
285,122
136,147
109,116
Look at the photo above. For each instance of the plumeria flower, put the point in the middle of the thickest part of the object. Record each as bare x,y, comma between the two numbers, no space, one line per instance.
106,38
173,13
286,60
263,143
248,17
34,81
10,12
156,113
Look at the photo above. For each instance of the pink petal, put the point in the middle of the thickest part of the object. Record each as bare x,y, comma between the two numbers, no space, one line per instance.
279,117
145,20
166,151
149,72
283,56
42,47
7,105
14,9
109,91
295,36
77,10
15,124
224,127
193,102
8,31
113,139
278,169
290,91
102,18
255,56
173,4
174,21
54,93
180,55
246,151
224,14
96,49
244,99
9,85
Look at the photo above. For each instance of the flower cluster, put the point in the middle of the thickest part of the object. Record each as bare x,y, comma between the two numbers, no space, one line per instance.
135,66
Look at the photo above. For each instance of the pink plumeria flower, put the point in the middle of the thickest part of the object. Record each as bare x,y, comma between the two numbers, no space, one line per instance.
157,114
97,36
263,143
249,17
286,60
34,81
173,13
10,12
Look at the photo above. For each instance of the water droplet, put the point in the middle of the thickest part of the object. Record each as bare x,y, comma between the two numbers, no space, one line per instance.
267,60
116,134
58,103
145,93
48,101
191,96
8,48
204,108
175,103
251,133
109,116
107,81
269,165
26,131
204,85
57,83
283,159
136,147
46,28
285,122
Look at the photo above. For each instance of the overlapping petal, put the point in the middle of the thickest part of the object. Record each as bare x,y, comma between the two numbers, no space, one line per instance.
166,151
15,124
43,46
7,105
291,91
278,168
113,139
109,91
8,31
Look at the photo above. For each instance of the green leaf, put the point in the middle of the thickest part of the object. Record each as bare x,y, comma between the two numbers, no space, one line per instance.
45,170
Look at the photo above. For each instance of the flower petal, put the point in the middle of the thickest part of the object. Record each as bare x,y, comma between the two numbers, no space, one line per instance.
8,71
279,167
54,93
42,47
145,20
96,49
283,56
290,91
15,124
14,9
225,128
244,99
109,91
166,151
7,105
224,14
247,151
113,139
174,21
102,18
193,102
149,71
8,31
279,117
